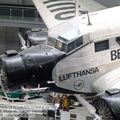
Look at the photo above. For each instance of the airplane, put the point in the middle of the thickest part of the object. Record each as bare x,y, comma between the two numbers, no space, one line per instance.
36,36
81,56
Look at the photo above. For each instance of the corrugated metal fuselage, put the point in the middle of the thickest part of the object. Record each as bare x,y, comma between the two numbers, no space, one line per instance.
79,71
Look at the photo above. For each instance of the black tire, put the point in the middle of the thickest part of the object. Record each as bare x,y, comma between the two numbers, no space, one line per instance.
103,110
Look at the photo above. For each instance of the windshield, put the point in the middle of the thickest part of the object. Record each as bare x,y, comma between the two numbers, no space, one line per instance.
51,41
75,44
66,47
57,44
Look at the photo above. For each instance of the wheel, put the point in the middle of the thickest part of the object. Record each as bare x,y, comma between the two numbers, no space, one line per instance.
103,110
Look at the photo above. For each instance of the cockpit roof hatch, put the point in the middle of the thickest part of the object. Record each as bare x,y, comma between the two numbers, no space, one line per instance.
70,35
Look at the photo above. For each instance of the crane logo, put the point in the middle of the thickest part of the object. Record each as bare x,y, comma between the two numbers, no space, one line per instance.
62,9
78,85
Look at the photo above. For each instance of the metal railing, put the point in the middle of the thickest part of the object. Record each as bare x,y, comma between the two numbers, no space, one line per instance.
19,12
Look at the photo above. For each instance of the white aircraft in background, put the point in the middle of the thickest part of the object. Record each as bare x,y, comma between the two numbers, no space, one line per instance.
82,55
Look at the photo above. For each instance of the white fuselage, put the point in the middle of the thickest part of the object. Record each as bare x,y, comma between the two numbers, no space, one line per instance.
99,54
85,69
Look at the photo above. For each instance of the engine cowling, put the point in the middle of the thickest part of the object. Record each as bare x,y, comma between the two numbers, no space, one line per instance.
30,67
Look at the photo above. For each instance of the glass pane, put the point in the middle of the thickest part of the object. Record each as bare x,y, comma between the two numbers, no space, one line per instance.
102,45
29,13
118,40
79,41
4,11
71,46
61,46
51,42
17,12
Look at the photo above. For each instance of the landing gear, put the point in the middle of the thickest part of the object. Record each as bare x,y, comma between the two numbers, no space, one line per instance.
103,110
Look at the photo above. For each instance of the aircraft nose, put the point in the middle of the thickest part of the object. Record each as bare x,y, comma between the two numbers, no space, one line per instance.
32,66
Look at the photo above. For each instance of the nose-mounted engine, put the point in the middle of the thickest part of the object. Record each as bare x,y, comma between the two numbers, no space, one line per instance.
30,67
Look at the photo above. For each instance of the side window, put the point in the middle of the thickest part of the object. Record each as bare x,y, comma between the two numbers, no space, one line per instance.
102,45
78,42
118,40
71,46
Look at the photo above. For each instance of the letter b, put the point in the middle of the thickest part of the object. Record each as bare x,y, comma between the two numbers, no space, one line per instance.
113,55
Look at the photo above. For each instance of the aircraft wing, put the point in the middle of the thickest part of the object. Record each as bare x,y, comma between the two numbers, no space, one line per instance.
54,12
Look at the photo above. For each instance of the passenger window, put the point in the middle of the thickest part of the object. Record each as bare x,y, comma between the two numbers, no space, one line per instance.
118,40
102,45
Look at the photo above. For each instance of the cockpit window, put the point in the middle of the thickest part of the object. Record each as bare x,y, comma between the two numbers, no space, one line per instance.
60,45
51,41
79,41
65,46
57,44
73,45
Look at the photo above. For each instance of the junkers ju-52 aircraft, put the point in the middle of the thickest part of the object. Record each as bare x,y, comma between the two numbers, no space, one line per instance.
82,56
